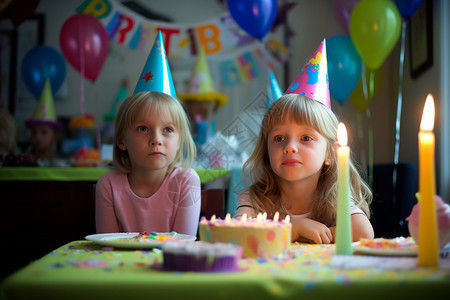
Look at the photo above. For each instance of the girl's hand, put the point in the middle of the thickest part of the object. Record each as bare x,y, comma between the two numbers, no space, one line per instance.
310,231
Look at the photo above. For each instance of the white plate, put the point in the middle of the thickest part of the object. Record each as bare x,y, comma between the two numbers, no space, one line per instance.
405,247
111,240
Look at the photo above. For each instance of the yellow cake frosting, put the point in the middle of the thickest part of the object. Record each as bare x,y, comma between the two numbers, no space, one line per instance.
259,237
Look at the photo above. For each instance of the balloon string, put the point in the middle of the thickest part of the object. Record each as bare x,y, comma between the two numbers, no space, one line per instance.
399,115
364,82
368,90
361,137
399,102
80,42
370,148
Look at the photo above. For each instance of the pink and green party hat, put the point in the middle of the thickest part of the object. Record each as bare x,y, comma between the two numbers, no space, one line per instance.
44,113
156,76
201,86
312,80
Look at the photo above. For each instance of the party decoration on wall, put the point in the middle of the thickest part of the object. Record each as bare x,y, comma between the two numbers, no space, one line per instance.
344,67
342,11
375,29
18,11
44,113
201,86
238,54
156,75
363,94
85,44
273,90
312,80
256,17
40,64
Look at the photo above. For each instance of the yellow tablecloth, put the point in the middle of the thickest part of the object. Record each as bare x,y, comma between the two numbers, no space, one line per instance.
84,270
81,174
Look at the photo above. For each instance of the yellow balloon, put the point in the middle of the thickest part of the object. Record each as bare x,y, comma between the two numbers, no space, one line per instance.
375,27
361,99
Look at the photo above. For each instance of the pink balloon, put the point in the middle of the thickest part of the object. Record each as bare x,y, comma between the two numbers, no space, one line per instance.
342,11
85,44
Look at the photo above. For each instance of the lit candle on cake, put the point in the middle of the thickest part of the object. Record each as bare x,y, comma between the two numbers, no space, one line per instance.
428,238
228,218
343,221
244,218
276,217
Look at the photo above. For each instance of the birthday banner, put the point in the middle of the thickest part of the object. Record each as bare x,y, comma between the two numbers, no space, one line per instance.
240,56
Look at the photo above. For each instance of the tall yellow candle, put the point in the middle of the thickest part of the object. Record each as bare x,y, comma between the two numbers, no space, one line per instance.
343,221
428,237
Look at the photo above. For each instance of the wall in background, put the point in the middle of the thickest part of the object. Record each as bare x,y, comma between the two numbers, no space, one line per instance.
311,21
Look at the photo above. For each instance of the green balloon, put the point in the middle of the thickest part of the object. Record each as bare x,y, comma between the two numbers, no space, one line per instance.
375,27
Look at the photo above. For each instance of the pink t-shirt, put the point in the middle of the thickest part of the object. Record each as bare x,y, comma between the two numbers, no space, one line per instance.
174,207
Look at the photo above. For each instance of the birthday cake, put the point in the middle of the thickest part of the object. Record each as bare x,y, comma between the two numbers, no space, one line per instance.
259,237
200,256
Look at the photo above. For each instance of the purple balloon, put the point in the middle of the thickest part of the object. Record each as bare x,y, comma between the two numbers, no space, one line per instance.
256,17
342,11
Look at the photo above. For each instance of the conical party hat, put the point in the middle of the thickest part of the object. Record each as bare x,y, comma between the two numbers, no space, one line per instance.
44,113
201,87
312,80
156,76
274,90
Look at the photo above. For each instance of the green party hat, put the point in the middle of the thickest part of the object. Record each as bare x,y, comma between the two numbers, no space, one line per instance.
44,113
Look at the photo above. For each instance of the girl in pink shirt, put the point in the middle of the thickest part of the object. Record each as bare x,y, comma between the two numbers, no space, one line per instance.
153,187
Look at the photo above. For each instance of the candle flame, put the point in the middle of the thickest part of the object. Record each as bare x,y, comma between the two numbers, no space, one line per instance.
427,122
342,134
258,218
213,218
287,219
244,218
228,218
276,216
264,216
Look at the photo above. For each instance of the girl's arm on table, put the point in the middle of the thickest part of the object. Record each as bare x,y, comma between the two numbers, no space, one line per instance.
361,228
309,231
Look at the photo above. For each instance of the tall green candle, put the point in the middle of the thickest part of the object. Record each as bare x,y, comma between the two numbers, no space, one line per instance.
343,221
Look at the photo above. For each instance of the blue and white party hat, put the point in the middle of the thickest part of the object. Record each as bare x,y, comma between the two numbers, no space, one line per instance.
156,76
273,91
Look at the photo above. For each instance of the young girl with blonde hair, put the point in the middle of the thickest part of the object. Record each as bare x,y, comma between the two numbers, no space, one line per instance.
153,187
293,169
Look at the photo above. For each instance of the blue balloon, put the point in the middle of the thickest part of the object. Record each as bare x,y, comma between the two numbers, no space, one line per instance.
256,17
408,7
344,67
40,63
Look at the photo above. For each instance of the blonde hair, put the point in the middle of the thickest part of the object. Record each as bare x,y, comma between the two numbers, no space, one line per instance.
165,106
264,188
